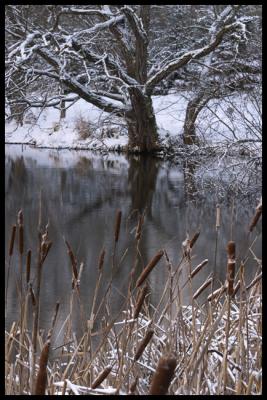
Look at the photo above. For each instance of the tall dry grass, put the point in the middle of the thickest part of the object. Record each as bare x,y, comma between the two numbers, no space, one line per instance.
210,346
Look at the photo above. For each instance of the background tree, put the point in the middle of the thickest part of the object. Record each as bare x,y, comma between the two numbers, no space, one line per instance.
110,56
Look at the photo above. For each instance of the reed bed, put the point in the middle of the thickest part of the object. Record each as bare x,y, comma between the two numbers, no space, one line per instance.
210,346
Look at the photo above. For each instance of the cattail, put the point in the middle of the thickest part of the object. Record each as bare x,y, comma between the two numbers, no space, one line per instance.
256,216
198,268
101,260
143,344
202,288
101,377
231,250
42,374
231,267
12,240
218,216
139,228
28,266
149,268
73,260
163,375
117,226
140,301
194,239
133,385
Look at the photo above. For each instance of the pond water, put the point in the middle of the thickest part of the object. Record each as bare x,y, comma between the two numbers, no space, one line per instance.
80,194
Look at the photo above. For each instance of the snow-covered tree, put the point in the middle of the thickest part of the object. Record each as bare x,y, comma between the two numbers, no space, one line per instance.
234,66
106,55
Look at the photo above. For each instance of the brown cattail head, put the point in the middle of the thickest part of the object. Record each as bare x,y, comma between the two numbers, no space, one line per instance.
194,239
143,344
117,226
28,266
140,301
153,262
101,377
101,260
134,385
12,240
256,216
42,374
231,250
164,373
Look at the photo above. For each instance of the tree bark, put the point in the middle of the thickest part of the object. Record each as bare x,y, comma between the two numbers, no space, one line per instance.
193,109
141,121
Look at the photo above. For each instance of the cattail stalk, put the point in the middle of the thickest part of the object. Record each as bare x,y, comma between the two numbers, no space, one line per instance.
100,378
143,344
140,301
28,266
117,226
149,268
162,377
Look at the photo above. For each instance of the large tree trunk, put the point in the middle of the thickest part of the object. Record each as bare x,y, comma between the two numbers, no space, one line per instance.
141,121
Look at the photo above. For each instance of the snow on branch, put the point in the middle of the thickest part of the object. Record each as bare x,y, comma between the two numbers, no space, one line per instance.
135,23
73,85
100,26
193,54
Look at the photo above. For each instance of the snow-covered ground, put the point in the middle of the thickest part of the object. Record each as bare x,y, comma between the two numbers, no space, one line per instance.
232,119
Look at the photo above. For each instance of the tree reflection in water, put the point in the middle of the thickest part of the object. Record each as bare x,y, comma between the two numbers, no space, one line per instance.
81,193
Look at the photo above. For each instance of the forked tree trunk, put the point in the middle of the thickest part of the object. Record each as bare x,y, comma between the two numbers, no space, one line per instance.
141,121
193,109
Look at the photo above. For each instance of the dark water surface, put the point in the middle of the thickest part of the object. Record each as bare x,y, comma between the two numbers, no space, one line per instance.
81,193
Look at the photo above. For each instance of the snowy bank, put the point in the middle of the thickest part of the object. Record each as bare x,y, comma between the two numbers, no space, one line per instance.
87,127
